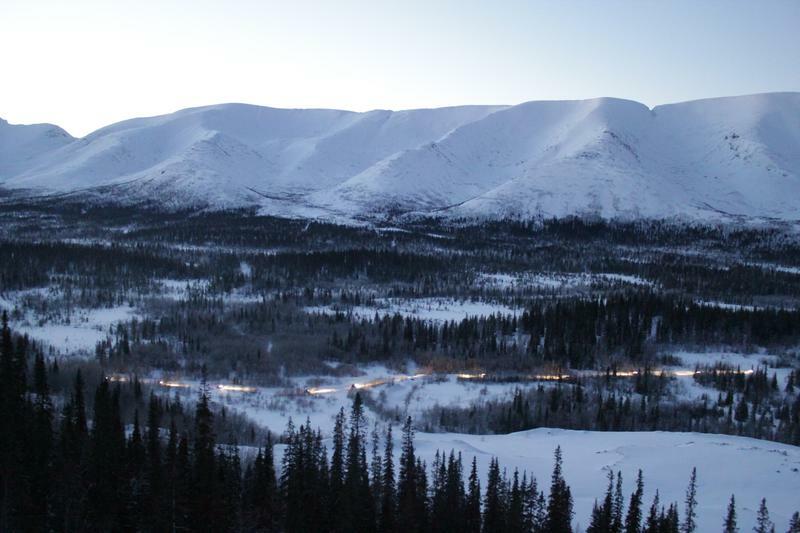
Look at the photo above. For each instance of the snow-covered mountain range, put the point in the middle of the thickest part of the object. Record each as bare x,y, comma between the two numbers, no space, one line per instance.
735,156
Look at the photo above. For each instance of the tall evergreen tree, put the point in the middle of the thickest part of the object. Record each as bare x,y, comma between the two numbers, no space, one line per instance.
13,418
388,490
263,491
205,511
107,498
689,524
729,525
493,504
633,519
652,523
358,506
515,514
40,448
337,472
422,511
472,513
618,508
376,471
559,504
408,485
155,517
454,494
763,523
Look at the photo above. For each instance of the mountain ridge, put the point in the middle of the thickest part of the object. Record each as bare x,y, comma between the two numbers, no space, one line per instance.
615,158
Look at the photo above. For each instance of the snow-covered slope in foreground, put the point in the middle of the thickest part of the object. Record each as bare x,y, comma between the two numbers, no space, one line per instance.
736,156
749,468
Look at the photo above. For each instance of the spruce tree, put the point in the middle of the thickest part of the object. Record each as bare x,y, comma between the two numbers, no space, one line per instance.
455,499
182,492
408,484
438,511
472,513
107,498
337,469
376,471
388,490
358,506
153,490
652,523
794,523
422,508
633,519
729,525
493,503
689,524
204,497
40,447
136,456
619,506
515,515
13,420
763,523
559,504
670,523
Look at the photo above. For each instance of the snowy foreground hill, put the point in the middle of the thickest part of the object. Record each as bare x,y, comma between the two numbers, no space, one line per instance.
749,468
706,159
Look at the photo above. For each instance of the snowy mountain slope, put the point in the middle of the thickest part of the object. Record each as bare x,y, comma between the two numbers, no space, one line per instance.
217,155
742,152
736,156
537,149
21,146
606,157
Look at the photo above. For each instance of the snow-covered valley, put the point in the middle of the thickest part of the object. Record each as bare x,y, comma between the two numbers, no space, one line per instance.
749,468
630,345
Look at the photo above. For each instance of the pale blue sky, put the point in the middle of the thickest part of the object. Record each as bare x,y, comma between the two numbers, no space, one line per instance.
83,64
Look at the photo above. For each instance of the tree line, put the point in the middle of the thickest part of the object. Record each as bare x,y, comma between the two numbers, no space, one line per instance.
749,405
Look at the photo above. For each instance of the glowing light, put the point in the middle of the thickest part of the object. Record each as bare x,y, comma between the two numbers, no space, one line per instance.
551,377
320,390
471,376
236,388
689,373
174,384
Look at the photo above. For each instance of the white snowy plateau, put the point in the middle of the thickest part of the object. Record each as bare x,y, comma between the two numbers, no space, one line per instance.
733,157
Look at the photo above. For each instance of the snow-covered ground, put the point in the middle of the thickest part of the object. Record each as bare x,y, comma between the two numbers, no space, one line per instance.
554,280
415,391
434,309
416,397
316,398
69,333
744,360
749,468
176,289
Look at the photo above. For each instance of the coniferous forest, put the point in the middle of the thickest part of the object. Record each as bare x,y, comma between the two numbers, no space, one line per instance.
75,469
124,423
